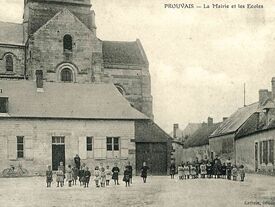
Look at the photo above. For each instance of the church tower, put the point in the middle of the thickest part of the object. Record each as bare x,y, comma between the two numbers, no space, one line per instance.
39,12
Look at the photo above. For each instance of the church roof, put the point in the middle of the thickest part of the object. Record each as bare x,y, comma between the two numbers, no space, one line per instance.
11,33
67,100
236,120
129,53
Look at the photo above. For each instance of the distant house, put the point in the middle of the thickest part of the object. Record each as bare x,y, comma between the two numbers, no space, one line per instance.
197,145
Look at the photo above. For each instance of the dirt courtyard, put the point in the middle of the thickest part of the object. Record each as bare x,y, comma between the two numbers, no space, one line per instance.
158,191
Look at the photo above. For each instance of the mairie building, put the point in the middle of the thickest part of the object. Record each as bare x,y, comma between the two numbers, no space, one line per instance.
64,91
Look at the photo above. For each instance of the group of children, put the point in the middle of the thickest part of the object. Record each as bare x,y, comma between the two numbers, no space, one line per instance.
208,169
82,174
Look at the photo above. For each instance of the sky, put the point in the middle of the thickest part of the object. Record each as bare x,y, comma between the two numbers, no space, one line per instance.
199,58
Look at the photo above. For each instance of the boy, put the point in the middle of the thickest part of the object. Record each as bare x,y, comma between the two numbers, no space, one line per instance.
81,176
102,177
115,172
223,171
75,174
242,173
60,177
228,171
87,175
235,173
49,176
108,174
180,172
203,170
209,169
126,177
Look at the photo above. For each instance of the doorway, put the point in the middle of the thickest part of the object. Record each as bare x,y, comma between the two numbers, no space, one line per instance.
58,151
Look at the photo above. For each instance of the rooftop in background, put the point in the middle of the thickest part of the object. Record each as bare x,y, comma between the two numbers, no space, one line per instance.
236,120
78,101
11,33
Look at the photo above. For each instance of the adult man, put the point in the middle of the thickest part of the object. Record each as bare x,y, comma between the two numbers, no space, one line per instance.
77,161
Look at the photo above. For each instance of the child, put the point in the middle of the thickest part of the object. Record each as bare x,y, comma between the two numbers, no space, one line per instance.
130,168
186,171
228,171
97,176
87,175
203,170
69,175
49,176
115,172
144,171
108,174
193,171
75,174
126,177
234,172
81,176
209,169
102,177
62,167
172,169
223,169
180,172
60,177
242,173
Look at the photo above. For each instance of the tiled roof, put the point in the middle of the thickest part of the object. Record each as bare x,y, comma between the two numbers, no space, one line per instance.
11,33
236,120
67,100
201,136
129,53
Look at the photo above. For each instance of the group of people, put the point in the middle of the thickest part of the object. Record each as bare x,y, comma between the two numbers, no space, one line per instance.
208,169
80,172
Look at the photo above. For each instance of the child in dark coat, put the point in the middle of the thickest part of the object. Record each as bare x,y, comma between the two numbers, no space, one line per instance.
115,172
75,174
209,169
49,176
228,171
87,175
223,169
126,177
81,176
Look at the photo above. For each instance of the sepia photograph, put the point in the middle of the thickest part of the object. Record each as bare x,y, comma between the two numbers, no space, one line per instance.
122,103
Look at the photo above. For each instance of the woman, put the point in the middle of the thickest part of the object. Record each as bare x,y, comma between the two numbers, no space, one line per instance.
144,171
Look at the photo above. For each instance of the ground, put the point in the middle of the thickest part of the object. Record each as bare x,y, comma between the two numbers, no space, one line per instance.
157,192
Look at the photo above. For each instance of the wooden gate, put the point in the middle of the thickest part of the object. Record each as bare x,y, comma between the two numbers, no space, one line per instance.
154,154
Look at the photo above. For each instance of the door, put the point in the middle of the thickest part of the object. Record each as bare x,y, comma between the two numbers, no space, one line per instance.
58,151
256,156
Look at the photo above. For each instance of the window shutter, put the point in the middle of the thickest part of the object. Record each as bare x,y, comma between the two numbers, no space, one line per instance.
100,148
82,147
124,148
12,148
28,149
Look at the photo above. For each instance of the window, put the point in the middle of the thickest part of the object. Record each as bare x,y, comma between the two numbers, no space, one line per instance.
112,143
9,63
271,151
58,140
89,141
67,43
3,105
20,147
66,75
266,152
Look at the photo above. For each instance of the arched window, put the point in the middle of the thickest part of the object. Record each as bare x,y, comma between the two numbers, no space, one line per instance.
66,75
67,43
9,63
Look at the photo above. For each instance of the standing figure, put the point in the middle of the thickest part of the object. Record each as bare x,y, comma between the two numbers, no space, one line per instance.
203,170
217,167
102,177
81,176
228,171
144,171
193,171
75,174
69,175
77,161
62,167
97,176
130,168
197,166
180,172
209,169
186,170
223,171
126,177
87,175
172,169
115,172
60,177
108,174
234,173
242,173
49,176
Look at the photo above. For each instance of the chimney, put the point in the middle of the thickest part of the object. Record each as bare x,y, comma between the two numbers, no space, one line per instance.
224,118
210,121
273,87
176,127
39,80
263,96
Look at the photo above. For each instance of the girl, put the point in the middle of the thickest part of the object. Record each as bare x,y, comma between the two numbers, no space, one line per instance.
115,172
186,171
75,174
81,176
97,176
209,169
60,177
172,169
49,176
69,175
203,170
223,169
87,175
235,173
108,173
242,173
180,172
126,177
102,177
228,171
193,171
144,171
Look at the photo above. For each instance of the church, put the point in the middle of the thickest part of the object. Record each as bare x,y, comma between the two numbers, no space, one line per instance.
64,91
